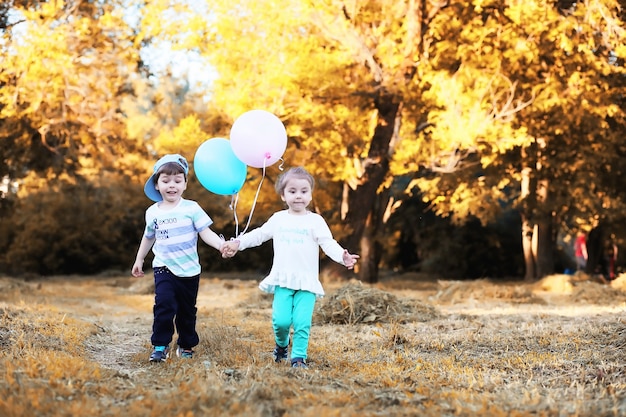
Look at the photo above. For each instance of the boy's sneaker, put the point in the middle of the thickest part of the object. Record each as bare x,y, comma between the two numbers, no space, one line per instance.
184,353
299,363
160,354
280,353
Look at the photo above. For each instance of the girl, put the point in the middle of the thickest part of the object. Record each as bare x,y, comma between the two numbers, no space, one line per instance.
297,235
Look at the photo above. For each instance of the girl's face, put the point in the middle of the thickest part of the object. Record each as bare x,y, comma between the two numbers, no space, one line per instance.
297,195
171,187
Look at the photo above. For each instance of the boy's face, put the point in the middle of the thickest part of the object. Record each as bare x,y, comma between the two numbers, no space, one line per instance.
171,186
297,195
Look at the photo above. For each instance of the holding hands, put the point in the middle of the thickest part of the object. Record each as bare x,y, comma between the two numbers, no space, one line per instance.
229,248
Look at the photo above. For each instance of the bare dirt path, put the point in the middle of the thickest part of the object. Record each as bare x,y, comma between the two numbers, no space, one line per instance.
120,309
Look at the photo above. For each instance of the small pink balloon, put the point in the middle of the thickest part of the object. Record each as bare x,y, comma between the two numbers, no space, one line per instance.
258,138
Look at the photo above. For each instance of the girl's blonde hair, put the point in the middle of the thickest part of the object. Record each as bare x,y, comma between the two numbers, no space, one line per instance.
298,173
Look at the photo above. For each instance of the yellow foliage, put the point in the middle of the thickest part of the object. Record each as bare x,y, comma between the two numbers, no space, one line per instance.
184,137
481,79
62,76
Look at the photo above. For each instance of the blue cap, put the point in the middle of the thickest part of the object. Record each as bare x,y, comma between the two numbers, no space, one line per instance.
150,187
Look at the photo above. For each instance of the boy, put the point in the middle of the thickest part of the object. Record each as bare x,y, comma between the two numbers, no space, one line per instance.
173,225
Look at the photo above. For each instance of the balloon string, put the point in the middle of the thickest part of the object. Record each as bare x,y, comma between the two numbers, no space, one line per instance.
255,200
233,206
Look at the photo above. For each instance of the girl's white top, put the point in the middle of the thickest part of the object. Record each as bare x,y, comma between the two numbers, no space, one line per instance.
296,240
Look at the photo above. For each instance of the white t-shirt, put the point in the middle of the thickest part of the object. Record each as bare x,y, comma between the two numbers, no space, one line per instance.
296,242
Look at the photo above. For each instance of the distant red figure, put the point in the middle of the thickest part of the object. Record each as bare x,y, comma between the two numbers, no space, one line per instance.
580,251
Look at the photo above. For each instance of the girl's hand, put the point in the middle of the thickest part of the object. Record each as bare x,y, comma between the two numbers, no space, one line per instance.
349,260
229,248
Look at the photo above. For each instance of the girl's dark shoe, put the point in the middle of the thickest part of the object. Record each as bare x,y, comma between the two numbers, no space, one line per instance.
280,353
299,363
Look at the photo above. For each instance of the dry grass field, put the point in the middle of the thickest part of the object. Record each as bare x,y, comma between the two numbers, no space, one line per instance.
74,346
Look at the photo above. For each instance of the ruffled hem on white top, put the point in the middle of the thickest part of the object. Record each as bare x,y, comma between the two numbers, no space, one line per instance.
293,281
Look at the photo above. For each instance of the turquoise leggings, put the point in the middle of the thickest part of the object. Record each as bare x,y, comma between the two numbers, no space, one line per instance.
293,307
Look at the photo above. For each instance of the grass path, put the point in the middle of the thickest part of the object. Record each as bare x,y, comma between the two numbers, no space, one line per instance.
72,345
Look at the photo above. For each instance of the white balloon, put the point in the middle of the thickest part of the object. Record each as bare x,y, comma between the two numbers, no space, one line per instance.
258,138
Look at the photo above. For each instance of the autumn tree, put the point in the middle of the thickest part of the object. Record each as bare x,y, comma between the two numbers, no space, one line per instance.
566,61
351,81
81,117
482,104
65,67
77,96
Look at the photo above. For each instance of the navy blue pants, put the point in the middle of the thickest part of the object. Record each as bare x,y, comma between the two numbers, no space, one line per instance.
174,305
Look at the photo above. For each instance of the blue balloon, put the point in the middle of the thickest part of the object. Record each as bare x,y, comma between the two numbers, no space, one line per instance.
217,168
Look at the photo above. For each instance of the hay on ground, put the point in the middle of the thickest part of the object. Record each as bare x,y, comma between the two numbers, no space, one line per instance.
584,288
457,292
595,293
619,283
11,286
142,286
357,303
555,284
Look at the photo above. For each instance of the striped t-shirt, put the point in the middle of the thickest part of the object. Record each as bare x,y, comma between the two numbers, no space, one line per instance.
176,232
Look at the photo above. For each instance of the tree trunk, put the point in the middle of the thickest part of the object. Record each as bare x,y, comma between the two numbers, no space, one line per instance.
537,239
543,254
528,199
527,247
595,250
370,255
543,221
362,208
537,244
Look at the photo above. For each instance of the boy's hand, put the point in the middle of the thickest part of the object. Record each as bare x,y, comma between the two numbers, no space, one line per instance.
229,248
137,270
